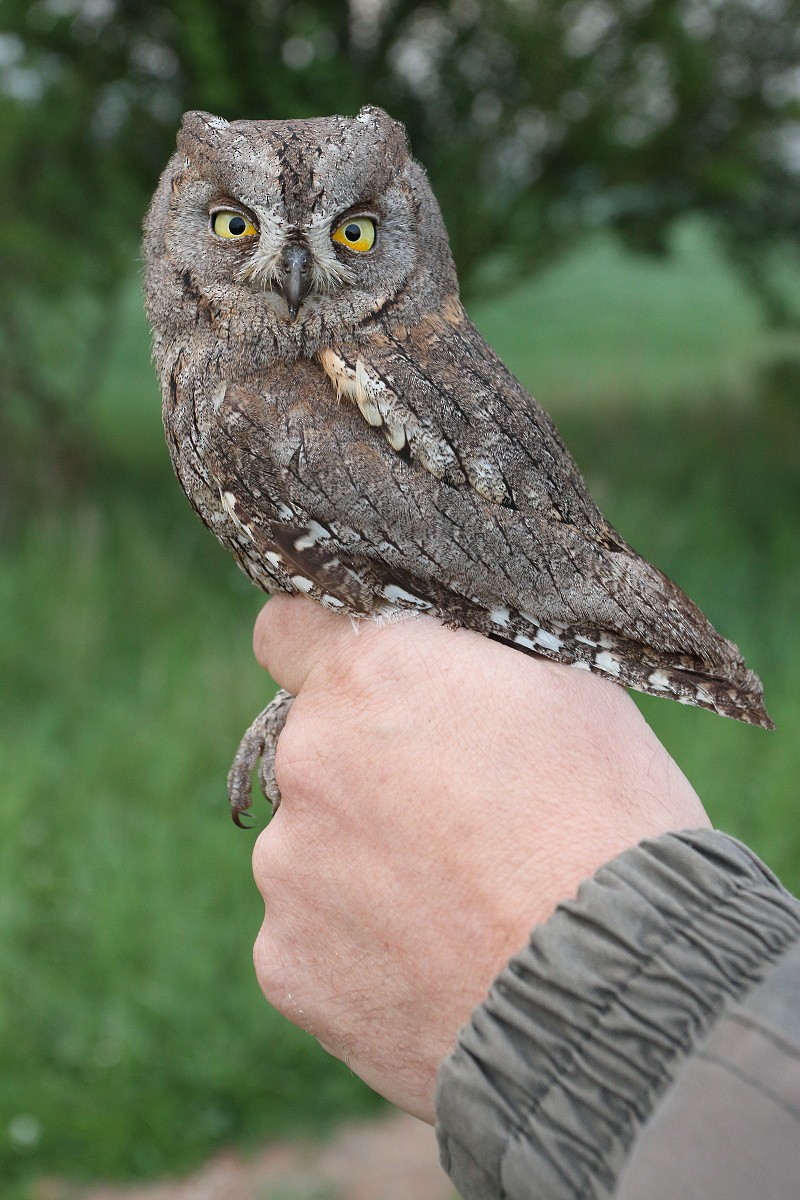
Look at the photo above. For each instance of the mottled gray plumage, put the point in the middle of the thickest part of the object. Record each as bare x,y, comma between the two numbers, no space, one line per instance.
339,423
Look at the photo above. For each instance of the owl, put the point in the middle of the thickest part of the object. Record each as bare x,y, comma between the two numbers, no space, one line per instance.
339,423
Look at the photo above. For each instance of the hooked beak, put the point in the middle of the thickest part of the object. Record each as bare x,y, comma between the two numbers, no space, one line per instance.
295,277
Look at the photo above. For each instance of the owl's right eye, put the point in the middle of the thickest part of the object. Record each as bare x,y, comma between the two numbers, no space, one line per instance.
229,224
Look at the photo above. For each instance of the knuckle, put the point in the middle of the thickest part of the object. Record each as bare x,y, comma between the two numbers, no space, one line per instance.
296,756
282,978
273,630
263,632
366,677
271,859
270,970
351,678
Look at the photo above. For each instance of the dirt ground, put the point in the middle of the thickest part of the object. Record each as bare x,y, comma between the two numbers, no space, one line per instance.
392,1159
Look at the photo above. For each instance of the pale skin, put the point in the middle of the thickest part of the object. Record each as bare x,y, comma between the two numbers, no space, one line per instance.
441,795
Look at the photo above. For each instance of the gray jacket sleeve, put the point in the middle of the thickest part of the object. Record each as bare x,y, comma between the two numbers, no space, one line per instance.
644,1045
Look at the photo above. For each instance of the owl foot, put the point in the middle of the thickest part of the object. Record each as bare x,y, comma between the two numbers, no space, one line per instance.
258,746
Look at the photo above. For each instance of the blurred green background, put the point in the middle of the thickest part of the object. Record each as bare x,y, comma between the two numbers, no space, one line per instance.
621,185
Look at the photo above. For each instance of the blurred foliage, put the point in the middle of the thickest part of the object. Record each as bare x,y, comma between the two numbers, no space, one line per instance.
537,120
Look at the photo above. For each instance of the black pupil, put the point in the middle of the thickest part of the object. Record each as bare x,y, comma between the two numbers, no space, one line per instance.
353,232
237,226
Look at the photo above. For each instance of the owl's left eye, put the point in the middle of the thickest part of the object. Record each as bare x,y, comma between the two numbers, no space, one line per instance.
230,224
357,234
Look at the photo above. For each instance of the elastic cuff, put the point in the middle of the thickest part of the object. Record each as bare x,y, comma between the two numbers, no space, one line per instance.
582,1032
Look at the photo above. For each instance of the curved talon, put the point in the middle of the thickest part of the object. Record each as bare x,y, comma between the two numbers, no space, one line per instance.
258,746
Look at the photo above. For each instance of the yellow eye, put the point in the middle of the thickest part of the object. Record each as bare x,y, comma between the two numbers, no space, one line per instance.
357,234
230,224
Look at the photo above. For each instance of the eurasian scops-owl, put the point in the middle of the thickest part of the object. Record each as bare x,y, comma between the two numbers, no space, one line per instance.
339,423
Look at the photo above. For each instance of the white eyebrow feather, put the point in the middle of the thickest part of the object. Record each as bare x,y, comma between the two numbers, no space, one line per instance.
264,267
327,269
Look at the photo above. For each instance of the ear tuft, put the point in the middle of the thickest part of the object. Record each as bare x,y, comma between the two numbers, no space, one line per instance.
393,131
197,126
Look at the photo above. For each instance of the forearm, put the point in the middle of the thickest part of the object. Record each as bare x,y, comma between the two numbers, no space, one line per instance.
564,1082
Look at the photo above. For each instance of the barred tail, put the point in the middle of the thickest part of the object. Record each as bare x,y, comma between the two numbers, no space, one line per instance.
728,688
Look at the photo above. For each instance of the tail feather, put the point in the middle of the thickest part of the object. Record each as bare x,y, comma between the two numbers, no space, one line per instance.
728,688
670,648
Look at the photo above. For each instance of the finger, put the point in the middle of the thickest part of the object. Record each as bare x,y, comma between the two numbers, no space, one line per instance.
292,634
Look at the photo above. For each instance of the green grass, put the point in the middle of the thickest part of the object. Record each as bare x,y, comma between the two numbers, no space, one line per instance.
131,1027
607,328
133,1038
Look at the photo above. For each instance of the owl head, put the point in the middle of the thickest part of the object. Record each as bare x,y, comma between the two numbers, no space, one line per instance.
294,232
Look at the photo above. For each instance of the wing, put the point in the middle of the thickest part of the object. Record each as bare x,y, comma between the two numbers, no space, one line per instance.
508,497
433,480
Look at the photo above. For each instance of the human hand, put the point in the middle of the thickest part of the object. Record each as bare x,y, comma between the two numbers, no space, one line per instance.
441,794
